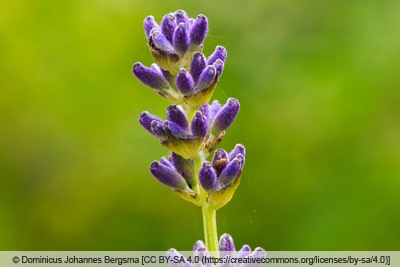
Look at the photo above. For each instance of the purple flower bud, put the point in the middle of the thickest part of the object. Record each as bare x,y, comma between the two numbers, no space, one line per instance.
182,17
197,66
205,110
207,177
175,130
225,117
167,163
167,176
182,262
176,114
145,119
241,159
180,39
238,149
150,77
184,82
258,253
198,31
219,66
226,243
199,125
168,26
198,245
200,251
244,251
219,53
230,172
160,41
157,127
214,109
148,24
185,167
207,77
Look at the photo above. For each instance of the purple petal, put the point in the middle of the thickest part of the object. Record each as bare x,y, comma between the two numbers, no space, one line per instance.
160,41
177,114
167,176
150,76
168,26
184,82
238,149
214,109
185,167
244,251
148,24
157,127
219,53
241,159
167,163
207,77
258,253
207,177
198,31
197,66
201,252
199,125
198,245
145,119
219,66
176,130
205,110
173,254
181,17
226,243
230,173
225,117
180,39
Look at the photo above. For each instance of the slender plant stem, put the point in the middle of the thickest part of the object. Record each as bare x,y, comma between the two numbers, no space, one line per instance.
210,228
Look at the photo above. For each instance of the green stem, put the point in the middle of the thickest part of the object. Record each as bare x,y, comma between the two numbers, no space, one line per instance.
210,228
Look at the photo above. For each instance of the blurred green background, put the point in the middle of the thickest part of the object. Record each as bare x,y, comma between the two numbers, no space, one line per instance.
319,88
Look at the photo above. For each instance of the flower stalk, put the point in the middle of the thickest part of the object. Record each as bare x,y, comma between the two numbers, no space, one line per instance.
210,227
193,128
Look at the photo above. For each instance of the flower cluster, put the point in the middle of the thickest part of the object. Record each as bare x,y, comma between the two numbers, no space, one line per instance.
182,74
226,247
203,133
218,178
193,128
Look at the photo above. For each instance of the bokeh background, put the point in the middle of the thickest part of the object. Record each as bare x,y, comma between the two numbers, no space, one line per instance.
319,88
